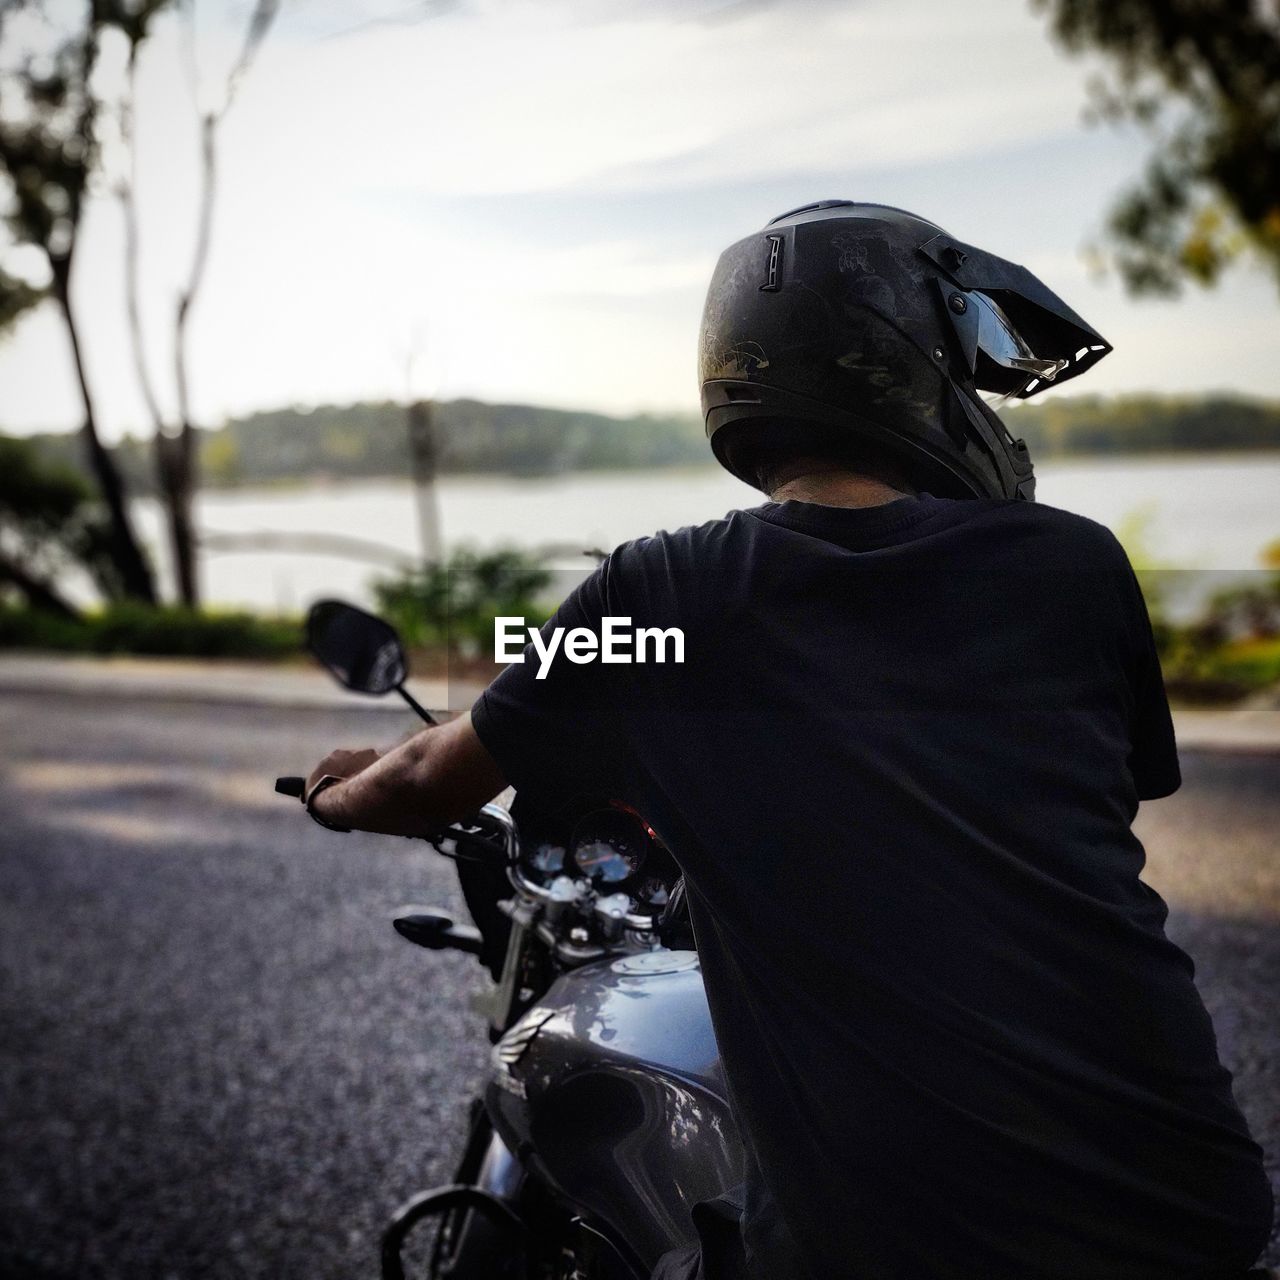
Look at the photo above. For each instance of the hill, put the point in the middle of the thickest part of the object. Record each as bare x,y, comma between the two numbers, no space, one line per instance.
367,440
1145,424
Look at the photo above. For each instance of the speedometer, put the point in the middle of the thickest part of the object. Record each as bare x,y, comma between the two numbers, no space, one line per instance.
609,846
547,858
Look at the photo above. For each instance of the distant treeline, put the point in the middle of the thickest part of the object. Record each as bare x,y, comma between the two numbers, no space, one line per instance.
359,441
371,439
1145,424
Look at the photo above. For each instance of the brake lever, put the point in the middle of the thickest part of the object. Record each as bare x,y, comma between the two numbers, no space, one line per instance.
469,845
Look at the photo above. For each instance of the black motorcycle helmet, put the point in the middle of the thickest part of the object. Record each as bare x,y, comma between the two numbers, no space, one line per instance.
853,329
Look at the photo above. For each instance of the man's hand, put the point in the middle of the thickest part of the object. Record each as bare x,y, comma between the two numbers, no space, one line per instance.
342,764
438,776
337,764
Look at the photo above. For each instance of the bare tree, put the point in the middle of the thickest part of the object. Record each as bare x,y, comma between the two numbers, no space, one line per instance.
177,443
48,153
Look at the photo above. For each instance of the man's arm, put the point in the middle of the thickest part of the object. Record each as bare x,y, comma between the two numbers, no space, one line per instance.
439,776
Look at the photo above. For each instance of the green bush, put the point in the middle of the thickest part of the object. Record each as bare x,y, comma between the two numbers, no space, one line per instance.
176,631
1254,663
451,607
165,631
25,628
1230,650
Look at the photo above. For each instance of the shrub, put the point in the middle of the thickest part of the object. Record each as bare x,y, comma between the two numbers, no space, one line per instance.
166,631
1253,663
451,607
25,628
176,631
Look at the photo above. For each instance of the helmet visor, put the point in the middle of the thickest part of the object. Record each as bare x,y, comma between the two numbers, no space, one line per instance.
1005,363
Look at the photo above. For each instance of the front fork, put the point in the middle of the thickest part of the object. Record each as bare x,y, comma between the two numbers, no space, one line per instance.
514,992
482,1236
480,1208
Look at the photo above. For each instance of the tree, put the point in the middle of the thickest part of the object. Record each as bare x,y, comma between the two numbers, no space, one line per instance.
1203,76
49,118
176,445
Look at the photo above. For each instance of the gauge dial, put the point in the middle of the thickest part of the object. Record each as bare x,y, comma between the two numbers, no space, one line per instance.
547,858
609,846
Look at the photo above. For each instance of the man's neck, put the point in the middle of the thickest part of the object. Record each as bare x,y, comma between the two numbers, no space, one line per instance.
836,489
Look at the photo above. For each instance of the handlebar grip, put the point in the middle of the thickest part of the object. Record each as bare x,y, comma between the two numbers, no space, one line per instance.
291,787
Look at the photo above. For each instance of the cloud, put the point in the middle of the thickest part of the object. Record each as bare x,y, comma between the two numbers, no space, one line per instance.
536,101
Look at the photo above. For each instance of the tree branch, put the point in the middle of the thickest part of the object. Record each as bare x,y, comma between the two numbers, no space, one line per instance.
127,191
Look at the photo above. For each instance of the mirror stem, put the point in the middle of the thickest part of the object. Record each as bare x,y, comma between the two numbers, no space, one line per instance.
415,704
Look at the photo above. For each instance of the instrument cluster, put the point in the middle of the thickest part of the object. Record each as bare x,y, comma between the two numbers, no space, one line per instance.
614,849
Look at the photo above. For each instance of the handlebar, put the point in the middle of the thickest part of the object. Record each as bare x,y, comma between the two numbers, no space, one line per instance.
492,820
489,818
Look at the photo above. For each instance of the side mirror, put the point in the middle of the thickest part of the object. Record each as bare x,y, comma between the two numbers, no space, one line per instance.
363,652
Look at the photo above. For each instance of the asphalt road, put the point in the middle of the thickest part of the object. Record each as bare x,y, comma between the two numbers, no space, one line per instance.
216,1058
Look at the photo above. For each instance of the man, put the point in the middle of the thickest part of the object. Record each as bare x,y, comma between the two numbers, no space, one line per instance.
898,768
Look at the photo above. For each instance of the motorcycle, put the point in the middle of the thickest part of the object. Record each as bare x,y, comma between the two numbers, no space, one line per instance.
604,1119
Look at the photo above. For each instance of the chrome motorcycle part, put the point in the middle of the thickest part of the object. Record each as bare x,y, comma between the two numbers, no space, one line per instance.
612,915
652,963
562,895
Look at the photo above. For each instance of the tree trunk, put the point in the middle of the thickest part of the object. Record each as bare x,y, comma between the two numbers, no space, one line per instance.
174,487
424,455
174,471
126,552
183,448
181,524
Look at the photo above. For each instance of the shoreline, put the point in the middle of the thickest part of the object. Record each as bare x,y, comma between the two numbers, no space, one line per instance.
330,482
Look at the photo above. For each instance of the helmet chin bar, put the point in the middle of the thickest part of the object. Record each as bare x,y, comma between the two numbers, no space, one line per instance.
1010,457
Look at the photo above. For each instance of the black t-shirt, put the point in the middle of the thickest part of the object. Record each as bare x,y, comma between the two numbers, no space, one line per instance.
898,767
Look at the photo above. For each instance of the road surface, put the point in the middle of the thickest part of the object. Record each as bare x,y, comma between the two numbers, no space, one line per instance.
216,1058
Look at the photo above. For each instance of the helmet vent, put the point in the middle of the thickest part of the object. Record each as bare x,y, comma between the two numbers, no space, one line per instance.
775,265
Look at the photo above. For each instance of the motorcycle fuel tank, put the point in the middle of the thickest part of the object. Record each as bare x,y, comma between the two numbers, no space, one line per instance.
613,1081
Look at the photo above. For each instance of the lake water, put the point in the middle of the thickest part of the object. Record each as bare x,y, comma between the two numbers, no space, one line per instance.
1198,512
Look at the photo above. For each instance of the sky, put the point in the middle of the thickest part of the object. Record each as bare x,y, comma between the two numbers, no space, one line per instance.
523,200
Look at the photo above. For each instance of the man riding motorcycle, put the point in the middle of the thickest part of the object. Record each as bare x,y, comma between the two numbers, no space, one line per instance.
898,768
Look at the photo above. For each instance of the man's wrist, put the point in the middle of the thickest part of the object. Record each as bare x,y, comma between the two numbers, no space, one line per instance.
324,802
